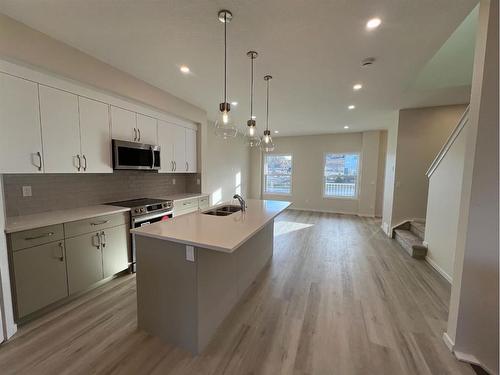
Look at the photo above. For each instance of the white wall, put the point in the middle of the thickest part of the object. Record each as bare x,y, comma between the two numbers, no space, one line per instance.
307,179
421,134
443,207
473,323
382,155
227,167
390,169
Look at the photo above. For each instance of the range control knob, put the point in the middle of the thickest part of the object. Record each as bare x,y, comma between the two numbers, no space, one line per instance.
136,210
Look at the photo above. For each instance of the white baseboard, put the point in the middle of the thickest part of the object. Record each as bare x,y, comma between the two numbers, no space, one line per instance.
439,269
448,341
324,211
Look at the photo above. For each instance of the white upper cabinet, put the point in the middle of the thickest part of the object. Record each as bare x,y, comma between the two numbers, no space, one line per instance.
20,140
124,124
147,129
179,137
191,150
95,136
61,130
166,143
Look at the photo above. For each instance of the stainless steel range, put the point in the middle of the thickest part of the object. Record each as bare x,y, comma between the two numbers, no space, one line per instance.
145,211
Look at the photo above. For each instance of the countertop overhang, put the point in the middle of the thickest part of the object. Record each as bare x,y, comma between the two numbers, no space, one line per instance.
220,233
26,222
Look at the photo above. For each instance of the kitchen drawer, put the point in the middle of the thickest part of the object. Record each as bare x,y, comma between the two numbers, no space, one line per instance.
76,228
186,205
35,237
203,203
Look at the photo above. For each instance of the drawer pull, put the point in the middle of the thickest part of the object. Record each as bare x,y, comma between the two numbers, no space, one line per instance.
61,258
100,222
48,234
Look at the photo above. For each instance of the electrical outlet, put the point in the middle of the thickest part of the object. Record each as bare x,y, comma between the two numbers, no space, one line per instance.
189,253
173,181
198,181
27,191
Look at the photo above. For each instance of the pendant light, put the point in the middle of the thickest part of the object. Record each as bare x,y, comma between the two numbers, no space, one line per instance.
253,139
224,127
267,144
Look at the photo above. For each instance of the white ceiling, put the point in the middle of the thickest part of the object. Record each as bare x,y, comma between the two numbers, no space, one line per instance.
312,48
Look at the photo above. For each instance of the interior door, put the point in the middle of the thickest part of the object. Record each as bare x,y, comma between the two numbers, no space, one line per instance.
147,128
166,143
123,124
60,130
21,139
179,140
95,136
191,150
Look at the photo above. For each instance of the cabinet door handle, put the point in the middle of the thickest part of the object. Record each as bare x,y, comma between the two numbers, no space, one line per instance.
103,239
85,160
99,222
98,238
61,247
172,166
135,134
39,166
48,234
187,166
139,131
79,163
175,165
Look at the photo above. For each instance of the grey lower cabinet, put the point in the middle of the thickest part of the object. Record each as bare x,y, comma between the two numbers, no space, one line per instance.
114,259
40,274
84,261
50,263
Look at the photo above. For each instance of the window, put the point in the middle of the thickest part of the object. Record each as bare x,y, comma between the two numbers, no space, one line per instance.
341,175
278,174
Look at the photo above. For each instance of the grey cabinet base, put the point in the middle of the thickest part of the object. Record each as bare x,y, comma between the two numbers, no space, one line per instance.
183,302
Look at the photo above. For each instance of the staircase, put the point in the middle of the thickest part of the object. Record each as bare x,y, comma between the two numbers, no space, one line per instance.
410,236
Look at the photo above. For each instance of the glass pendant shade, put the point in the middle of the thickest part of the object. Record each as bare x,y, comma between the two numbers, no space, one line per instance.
267,144
224,126
253,141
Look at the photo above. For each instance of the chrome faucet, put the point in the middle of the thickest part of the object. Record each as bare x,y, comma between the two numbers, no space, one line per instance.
242,202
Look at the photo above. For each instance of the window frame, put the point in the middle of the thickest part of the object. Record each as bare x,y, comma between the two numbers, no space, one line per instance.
264,192
323,183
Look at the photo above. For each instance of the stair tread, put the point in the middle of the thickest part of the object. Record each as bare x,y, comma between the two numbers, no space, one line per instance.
408,236
418,225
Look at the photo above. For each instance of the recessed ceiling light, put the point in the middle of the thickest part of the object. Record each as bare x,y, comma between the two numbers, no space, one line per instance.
357,86
234,103
276,131
254,117
373,23
346,127
185,69
352,106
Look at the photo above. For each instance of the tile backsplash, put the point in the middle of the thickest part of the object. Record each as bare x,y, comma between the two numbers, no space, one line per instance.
61,191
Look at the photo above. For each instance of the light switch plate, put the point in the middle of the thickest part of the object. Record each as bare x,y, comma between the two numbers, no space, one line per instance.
198,181
27,191
173,181
189,253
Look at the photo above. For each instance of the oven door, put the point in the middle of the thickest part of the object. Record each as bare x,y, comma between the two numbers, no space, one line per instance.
133,155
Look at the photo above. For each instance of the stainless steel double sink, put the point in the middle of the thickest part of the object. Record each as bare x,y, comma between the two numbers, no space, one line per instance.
223,210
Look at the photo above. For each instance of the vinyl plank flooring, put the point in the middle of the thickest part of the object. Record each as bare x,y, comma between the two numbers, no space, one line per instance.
338,297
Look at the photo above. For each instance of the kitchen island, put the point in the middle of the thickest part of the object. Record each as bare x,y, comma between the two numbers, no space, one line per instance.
193,269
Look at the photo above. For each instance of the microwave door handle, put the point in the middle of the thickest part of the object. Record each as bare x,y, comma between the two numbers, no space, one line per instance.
152,158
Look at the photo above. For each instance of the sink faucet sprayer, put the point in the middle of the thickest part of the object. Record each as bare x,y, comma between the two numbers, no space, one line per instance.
242,202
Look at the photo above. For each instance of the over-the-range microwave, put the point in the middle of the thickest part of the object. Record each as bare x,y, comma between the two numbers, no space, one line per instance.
133,155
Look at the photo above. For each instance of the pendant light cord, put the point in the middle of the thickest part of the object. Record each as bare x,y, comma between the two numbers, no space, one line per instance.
267,107
251,90
225,57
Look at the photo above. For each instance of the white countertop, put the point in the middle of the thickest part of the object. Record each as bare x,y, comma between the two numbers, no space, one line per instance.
25,222
180,197
221,233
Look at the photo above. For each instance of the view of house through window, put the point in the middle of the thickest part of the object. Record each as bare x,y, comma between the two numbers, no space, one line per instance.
277,174
341,175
